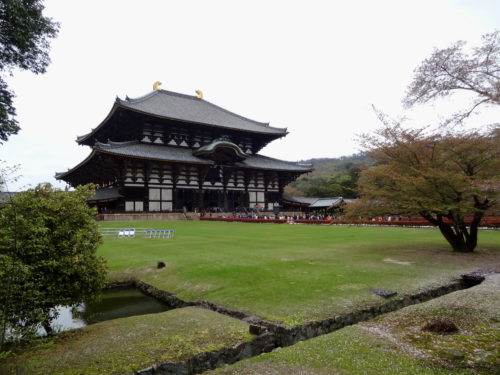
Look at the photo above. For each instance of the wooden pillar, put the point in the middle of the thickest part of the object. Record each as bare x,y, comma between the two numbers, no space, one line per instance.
266,183
248,177
147,173
224,195
226,174
282,180
120,207
202,174
175,178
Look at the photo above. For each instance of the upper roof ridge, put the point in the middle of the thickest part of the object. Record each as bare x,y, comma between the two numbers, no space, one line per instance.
139,99
142,98
189,109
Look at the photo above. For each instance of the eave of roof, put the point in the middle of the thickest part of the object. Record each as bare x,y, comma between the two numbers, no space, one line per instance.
186,108
139,150
315,202
264,162
61,175
105,194
326,202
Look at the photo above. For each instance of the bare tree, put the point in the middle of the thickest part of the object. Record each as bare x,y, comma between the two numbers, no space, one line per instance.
451,70
8,173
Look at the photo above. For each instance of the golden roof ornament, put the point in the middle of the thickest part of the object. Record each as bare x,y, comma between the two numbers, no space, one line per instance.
156,85
200,94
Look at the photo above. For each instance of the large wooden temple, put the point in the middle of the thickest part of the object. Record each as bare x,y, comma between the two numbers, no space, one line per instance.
167,152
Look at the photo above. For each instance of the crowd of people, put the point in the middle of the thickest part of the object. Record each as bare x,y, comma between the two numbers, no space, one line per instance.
248,213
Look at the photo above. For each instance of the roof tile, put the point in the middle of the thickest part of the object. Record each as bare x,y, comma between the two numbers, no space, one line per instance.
190,108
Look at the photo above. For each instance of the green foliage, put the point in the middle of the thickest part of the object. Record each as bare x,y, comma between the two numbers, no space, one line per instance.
8,123
339,185
332,177
24,44
48,242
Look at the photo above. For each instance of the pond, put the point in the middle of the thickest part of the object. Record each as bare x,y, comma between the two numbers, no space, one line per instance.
114,303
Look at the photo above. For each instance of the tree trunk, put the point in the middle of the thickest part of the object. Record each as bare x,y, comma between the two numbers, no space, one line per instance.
459,239
456,240
471,242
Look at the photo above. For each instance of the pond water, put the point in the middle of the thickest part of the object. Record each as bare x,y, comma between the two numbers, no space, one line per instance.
114,303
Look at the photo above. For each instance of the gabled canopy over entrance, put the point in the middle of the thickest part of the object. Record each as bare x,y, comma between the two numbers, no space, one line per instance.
221,151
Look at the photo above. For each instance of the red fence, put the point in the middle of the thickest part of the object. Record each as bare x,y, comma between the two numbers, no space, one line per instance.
244,219
490,222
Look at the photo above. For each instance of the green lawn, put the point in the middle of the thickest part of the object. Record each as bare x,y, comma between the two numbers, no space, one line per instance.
291,273
395,344
122,346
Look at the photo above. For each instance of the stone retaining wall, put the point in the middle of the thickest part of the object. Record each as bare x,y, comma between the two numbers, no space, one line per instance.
286,335
169,298
272,335
210,360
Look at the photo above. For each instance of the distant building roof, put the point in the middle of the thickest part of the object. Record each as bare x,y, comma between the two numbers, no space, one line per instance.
176,106
300,200
317,203
326,202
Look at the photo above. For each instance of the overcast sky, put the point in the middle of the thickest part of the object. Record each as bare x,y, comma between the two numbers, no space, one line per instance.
314,67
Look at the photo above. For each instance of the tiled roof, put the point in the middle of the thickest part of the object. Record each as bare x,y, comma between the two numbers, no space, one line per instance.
140,150
265,162
301,200
326,202
190,108
315,202
105,194
150,151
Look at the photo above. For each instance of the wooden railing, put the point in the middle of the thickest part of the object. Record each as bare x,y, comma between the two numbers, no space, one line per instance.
489,222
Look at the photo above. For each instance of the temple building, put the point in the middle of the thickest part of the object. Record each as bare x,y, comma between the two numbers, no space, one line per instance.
167,152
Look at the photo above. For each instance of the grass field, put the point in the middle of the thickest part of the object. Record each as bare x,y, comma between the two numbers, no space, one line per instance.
122,346
395,344
291,273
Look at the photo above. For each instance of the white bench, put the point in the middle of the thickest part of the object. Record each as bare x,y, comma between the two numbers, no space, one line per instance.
126,233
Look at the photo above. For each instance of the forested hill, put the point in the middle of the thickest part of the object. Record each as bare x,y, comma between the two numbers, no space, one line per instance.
331,177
